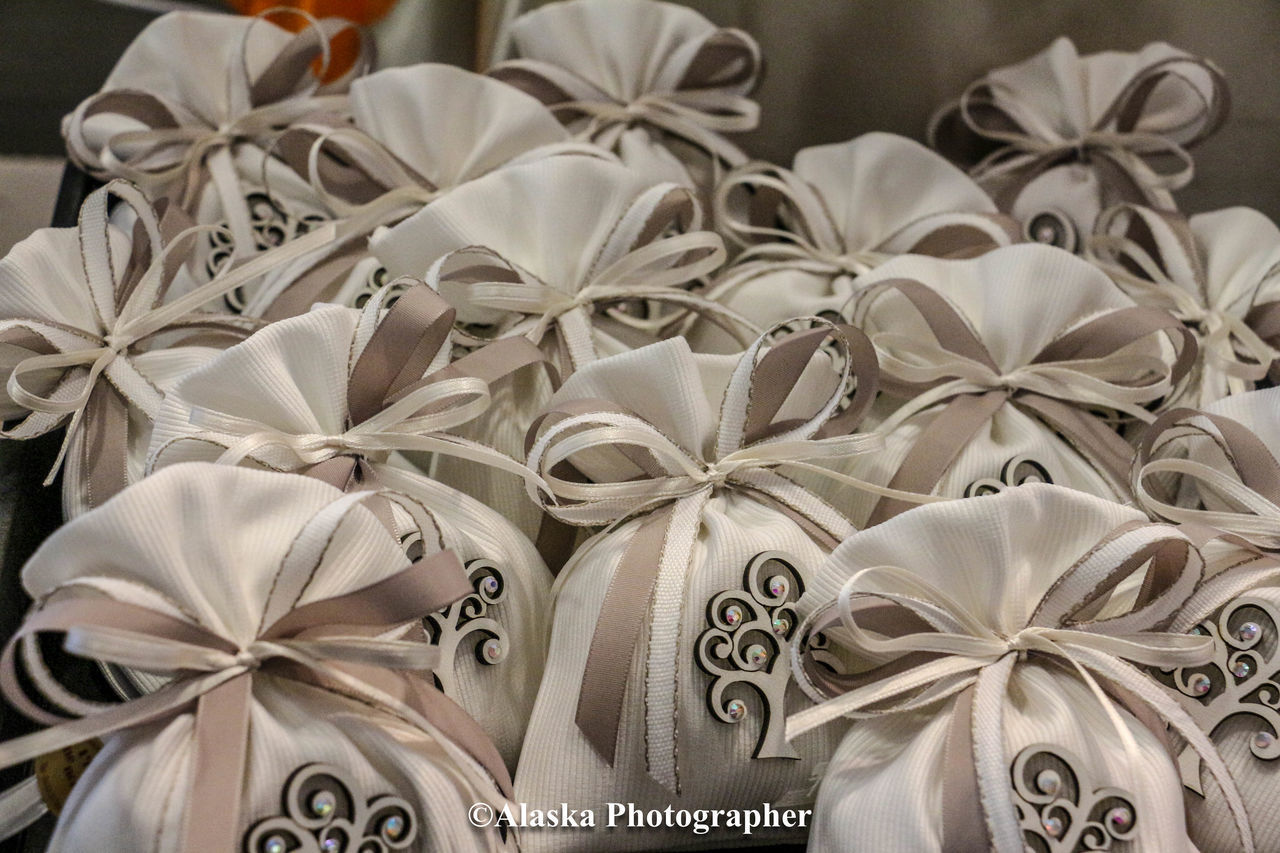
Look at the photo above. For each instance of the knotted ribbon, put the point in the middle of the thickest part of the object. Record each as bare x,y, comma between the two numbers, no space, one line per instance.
333,644
1024,144
650,267
637,472
1083,367
1127,248
704,104
391,404
813,243
131,312
1246,490
179,151
926,648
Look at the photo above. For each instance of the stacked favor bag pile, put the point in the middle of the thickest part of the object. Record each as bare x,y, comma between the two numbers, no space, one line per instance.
446,452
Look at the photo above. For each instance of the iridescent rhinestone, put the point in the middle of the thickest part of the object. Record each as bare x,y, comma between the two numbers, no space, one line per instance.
1199,631
757,654
331,845
1120,819
777,586
1263,740
492,649
1241,668
1053,826
1248,632
736,709
1199,684
781,625
490,585
393,827
323,803
274,844
1049,782
732,615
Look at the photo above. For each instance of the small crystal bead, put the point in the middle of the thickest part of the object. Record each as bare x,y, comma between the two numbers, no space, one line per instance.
737,709
1053,826
490,585
393,827
1049,782
493,649
274,844
777,586
331,845
323,803
1120,819
732,615
1248,632
781,625
1241,668
1263,740
757,654
1199,684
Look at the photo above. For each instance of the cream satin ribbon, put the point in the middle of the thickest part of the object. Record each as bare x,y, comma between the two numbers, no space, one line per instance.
1227,343
654,272
1250,483
963,651
142,315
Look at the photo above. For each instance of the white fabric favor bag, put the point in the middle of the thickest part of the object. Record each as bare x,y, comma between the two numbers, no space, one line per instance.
334,393
671,625
189,112
990,652
1060,137
654,82
1219,273
413,135
94,326
847,208
583,257
1010,368
291,719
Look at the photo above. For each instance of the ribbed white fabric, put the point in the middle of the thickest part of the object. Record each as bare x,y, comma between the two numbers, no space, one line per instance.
678,392
292,377
1016,300
208,543
996,557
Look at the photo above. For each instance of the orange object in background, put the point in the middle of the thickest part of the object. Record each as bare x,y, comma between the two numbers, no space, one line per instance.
345,47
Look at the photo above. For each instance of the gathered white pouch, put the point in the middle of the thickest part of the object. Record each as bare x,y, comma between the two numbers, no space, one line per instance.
809,233
581,256
95,325
414,135
671,625
1060,137
654,82
1009,368
189,111
1218,272
986,650
335,393
291,718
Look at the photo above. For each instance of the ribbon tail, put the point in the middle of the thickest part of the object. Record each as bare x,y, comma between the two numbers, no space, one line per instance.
222,741
104,450
962,826
21,806
989,762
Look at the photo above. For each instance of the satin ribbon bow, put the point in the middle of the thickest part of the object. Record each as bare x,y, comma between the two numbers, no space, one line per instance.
1243,489
702,105
179,151
926,648
131,310
1025,144
650,268
636,471
213,676
391,404
1082,368
1132,244
812,242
